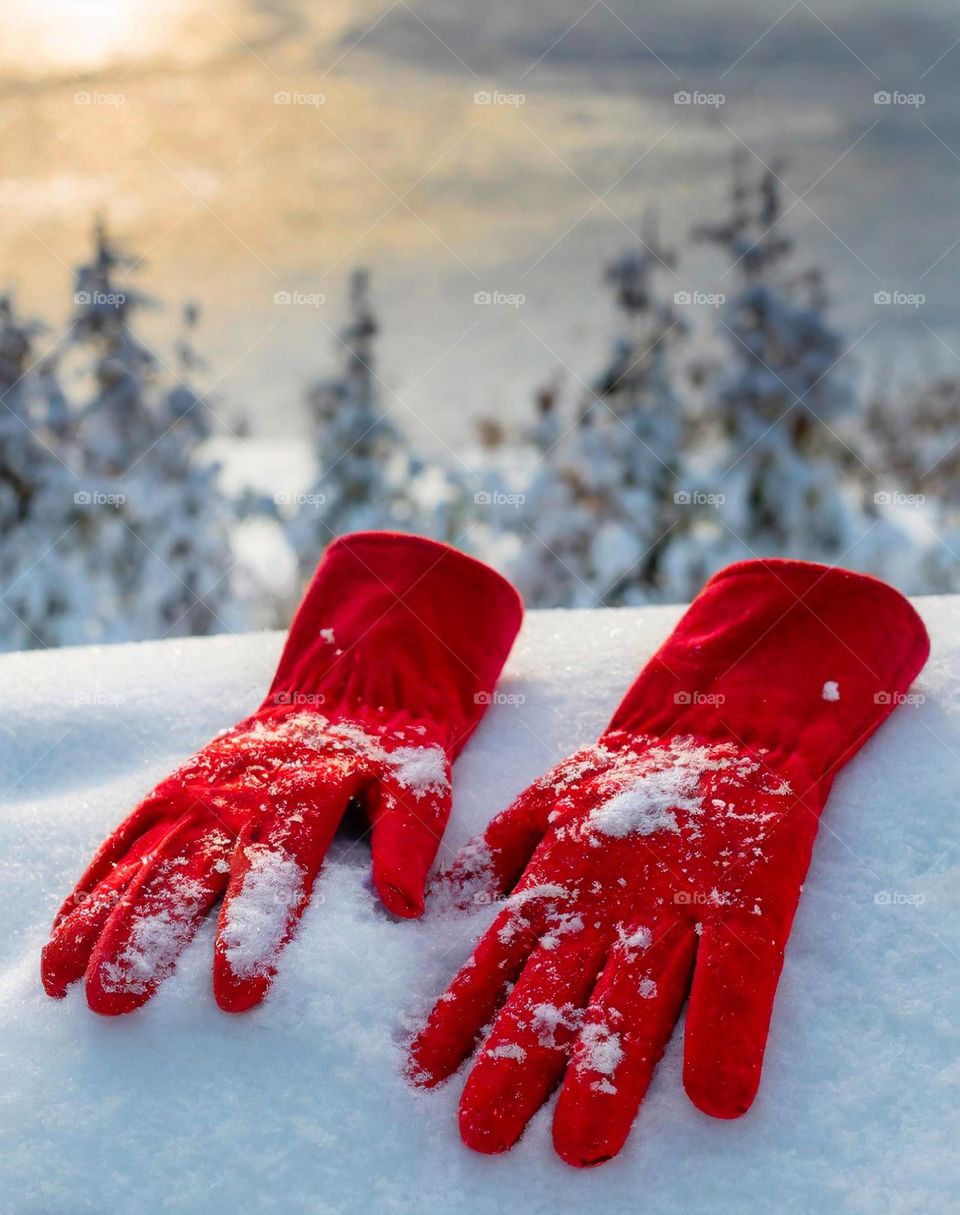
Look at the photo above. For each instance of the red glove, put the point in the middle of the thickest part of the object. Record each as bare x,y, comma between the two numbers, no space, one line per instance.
387,669
667,860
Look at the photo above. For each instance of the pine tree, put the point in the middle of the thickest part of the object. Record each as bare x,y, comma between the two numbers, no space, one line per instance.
775,459
365,469
599,509
165,552
46,593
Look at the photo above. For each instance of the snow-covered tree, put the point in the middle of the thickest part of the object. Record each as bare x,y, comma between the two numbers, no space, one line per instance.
164,556
45,591
367,476
774,474
599,507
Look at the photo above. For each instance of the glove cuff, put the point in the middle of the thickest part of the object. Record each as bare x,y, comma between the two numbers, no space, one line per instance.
801,659
400,627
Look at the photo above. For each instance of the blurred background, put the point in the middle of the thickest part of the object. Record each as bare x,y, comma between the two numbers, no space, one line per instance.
604,295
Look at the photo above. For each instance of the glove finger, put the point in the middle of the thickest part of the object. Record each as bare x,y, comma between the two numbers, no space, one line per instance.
115,847
158,915
493,863
626,1028
734,985
272,871
408,821
527,1051
490,865
80,921
469,1003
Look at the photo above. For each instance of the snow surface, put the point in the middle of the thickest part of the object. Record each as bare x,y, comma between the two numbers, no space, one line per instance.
299,1106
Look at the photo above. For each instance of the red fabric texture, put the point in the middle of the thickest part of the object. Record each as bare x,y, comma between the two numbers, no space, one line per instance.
388,667
664,863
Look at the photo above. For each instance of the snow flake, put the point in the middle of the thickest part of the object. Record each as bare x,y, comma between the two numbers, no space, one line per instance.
508,1050
258,916
831,690
601,1049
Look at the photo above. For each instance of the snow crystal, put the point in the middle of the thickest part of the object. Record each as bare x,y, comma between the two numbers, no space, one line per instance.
420,769
559,926
548,890
831,690
156,939
640,810
640,938
647,791
547,1019
327,635
258,916
602,1051
509,1050
647,989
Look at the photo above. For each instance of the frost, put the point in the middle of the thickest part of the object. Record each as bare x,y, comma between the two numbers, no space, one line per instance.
645,792
640,938
547,1019
509,1050
547,890
559,926
423,770
420,769
602,1051
157,937
258,916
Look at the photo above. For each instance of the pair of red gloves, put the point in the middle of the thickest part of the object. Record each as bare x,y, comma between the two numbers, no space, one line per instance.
660,864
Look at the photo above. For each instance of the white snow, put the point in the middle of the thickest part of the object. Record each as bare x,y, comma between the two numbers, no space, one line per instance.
258,915
156,938
663,780
300,1107
423,770
831,690
603,1052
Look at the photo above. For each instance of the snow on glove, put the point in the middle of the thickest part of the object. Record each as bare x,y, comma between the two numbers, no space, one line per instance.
387,669
666,861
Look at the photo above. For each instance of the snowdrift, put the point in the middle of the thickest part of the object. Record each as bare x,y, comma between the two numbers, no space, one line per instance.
299,1106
